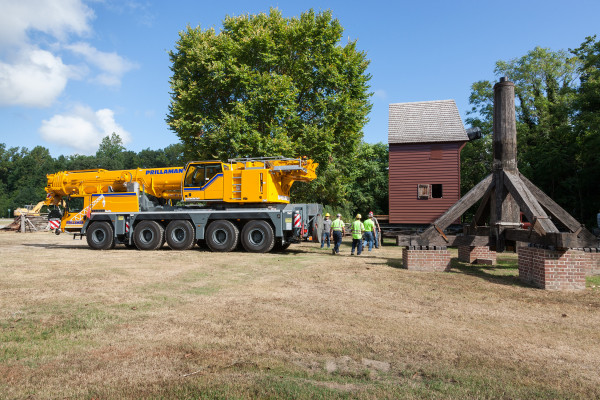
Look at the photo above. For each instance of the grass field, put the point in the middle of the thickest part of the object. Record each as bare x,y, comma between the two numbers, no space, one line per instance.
77,323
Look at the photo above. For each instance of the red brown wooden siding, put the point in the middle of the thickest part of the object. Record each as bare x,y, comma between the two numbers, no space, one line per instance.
413,164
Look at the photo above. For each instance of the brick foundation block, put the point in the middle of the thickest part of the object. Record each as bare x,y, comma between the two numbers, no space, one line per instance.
422,258
554,269
477,255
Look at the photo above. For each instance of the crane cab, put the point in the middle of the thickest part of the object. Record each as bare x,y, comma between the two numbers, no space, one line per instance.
203,181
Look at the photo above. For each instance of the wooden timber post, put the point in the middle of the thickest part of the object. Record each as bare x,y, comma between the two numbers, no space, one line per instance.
504,210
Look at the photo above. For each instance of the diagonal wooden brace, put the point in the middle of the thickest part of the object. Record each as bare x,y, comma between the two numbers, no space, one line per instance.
557,211
458,208
529,204
485,201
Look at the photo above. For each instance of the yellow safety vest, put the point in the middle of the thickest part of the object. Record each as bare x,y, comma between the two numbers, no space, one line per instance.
337,224
357,229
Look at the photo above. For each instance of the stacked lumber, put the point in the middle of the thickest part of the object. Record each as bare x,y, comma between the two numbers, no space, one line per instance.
33,223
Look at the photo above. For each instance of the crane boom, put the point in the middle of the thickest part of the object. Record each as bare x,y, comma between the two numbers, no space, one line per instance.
259,180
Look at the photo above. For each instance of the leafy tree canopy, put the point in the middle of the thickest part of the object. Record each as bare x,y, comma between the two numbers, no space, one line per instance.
266,85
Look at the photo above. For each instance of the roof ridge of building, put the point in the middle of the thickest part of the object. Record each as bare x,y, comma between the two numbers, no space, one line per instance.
425,101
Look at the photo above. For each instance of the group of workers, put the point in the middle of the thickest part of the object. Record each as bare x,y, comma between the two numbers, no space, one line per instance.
368,231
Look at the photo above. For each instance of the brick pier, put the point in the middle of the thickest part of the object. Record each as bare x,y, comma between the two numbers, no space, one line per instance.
556,269
426,258
477,255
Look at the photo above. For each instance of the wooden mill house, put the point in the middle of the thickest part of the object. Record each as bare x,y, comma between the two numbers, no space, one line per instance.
425,140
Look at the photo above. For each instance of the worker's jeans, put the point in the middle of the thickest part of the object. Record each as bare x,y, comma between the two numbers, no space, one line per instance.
357,244
376,235
337,240
324,237
369,239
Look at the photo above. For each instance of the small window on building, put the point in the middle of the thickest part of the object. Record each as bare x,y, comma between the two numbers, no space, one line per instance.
423,191
436,191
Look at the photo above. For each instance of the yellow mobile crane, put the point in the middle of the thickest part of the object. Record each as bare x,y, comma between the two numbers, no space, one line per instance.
136,207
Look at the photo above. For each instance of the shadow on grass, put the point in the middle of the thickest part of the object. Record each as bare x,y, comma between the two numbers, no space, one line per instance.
55,246
499,273
503,273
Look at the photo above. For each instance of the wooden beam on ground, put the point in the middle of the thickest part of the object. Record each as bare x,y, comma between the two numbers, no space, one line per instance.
529,204
557,211
458,209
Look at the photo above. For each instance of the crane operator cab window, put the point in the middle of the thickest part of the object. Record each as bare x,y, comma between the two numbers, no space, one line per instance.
74,204
203,182
200,174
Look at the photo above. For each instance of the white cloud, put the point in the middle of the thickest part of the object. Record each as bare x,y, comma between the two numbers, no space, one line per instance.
33,33
82,129
57,18
34,79
111,65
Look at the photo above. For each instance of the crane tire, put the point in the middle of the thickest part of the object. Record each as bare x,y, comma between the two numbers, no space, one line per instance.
258,237
100,236
148,235
222,236
180,235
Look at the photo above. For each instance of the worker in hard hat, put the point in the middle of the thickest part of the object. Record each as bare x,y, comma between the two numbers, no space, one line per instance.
325,236
369,231
376,229
357,229
338,230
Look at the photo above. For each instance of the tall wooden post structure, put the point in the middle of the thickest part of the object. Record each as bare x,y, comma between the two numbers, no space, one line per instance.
504,194
504,209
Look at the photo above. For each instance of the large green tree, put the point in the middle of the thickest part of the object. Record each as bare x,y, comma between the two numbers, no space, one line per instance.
587,125
266,85
369,188
110,154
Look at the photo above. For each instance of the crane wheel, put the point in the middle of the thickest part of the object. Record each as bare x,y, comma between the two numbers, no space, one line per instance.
100,236
222,235
258,237
180,235
148,235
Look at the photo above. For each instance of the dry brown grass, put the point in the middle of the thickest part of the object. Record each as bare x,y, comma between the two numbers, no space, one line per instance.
303,324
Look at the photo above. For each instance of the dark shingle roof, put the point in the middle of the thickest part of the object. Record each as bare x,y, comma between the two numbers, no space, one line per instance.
425,121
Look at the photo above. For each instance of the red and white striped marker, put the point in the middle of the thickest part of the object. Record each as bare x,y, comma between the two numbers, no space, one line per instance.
126,226
297,222
54,224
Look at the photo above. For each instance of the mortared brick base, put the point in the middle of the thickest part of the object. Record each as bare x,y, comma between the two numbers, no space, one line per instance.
476,255
423,258
556,269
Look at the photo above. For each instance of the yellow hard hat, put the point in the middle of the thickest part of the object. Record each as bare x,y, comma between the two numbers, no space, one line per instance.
358,216
327,215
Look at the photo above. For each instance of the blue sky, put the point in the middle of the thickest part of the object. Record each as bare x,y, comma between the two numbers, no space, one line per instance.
72,71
